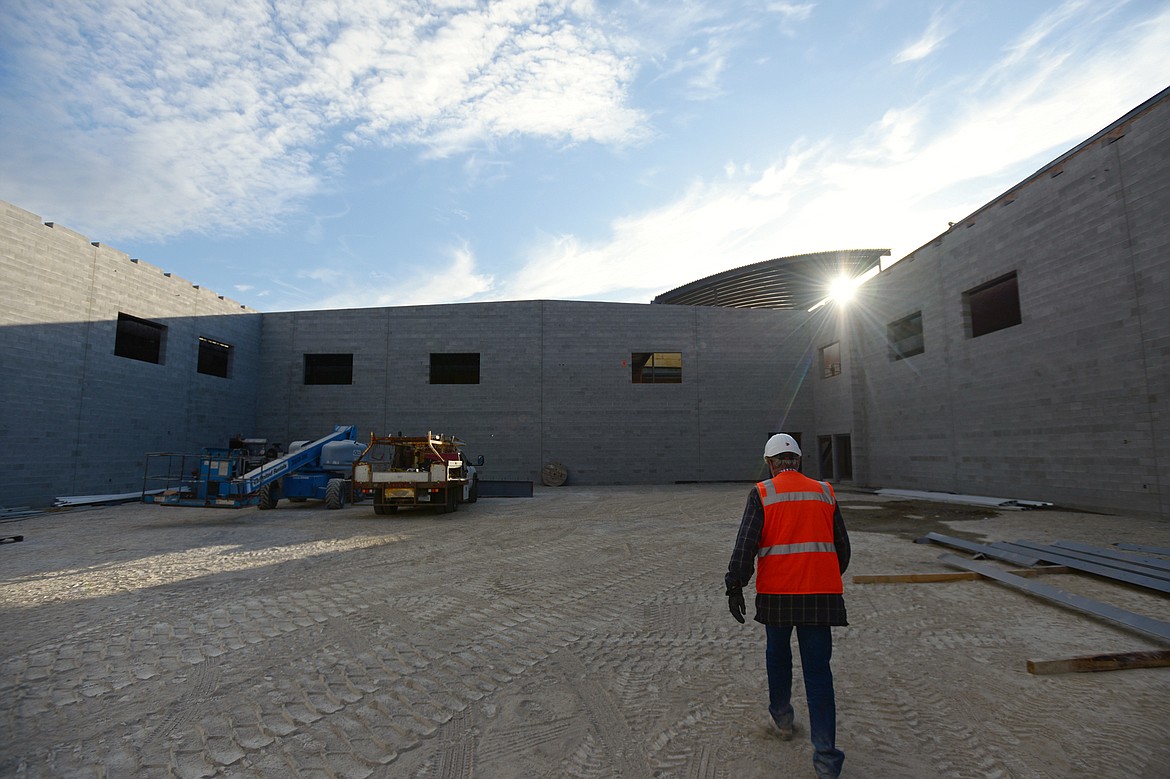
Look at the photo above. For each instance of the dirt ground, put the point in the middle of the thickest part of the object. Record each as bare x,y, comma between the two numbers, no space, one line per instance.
582,632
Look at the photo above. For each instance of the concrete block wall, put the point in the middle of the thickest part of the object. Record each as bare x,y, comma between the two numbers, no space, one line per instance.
391,390
1066,405
1143,156
76,419
602,427
555,385
754,380
903,427
1069,406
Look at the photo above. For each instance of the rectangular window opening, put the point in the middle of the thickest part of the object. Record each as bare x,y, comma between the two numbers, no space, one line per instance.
455,368
825,451
993,306
215,358
328,369
831,360
843,457
905,337
656,367
140,339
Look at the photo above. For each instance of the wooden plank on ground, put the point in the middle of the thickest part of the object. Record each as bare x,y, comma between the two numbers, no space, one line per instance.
1138,622
948,576
1120,661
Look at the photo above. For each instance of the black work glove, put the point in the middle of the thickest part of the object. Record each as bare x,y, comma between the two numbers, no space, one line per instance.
735,603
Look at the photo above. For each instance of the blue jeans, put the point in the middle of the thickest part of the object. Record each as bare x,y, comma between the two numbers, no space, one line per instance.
816,654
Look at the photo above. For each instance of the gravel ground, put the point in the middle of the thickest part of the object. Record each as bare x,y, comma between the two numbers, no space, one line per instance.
582,632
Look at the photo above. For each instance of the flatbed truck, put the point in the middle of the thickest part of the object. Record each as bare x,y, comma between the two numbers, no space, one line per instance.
402,472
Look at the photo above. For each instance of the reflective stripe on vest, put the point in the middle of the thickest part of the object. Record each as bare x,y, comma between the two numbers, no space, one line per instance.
811,546
770,495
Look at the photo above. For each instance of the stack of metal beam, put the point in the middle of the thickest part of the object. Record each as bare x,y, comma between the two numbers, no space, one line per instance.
1133,564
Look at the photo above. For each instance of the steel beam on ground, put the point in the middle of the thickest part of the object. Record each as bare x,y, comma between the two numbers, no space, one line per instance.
1097,567
1142,624
1113,554
1162,550
947,576
1014,557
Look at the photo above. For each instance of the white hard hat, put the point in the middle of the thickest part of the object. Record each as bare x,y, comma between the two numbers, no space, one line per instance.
781,443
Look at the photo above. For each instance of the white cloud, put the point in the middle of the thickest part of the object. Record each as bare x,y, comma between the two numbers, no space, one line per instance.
697,40
927,43
456,280
172,116
896,185
794,11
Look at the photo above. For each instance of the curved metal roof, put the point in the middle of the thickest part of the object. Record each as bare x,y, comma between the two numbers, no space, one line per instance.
798,282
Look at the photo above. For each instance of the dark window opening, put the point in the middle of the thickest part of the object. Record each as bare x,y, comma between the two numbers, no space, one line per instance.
455,368
215,358
993,306
825,450
656,367
139,339
843,457
328,369
905,337
830,360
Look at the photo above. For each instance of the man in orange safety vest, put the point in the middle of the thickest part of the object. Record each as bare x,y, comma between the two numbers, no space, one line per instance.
793,533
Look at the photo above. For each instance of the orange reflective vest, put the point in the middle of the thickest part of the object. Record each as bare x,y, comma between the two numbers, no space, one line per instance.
796,554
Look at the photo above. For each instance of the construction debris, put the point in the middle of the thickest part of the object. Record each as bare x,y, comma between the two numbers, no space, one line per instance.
1121,661
948,576
13,514
95,500
1137,622
974,500
1141,571
1162,550
979,550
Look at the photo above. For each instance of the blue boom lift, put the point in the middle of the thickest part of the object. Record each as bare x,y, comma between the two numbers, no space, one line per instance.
321,469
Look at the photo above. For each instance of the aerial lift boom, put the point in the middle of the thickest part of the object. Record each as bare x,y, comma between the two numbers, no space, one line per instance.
218,483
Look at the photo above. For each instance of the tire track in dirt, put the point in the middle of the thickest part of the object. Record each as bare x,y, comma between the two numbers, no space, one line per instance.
438,654
608,722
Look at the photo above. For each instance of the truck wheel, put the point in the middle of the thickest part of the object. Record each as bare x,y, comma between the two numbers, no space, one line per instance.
335,494
473,494
269,496
453,496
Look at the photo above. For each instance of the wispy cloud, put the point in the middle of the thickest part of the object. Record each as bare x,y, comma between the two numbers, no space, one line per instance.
796,12
455,280
895,185
212,116
696,39
930,40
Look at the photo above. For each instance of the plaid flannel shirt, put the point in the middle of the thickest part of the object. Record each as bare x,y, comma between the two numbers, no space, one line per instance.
814,609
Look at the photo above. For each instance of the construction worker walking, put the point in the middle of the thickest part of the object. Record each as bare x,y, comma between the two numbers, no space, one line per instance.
793,527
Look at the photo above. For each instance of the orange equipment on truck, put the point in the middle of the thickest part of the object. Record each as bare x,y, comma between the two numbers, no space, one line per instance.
416,471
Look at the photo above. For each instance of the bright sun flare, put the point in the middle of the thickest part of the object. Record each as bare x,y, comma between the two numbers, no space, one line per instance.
842,289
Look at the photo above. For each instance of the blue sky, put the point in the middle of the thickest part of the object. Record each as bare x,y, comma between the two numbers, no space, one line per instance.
352,153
